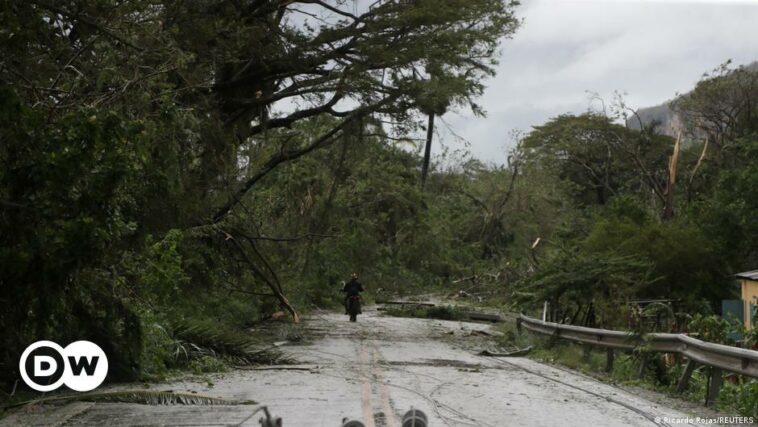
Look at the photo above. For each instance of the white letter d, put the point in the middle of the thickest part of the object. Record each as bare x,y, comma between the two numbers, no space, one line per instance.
50,369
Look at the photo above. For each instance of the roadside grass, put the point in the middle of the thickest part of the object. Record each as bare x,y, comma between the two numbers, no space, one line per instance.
739,395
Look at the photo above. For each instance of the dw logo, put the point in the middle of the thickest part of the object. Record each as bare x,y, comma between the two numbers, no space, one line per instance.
81,366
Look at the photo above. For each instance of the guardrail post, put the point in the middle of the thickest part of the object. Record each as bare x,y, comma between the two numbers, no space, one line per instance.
554,337
714,385
684,380
609,360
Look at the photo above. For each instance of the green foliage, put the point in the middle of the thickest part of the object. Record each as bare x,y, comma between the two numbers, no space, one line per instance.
751,336
364,211
160,350
713,328
159,270
615,179
729,215
571,279
206,364
206,338
742,396
67,209
723,105
595,156
680,254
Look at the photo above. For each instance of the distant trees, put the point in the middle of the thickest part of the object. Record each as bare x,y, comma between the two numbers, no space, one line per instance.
598,157
691,235
728,211
723,105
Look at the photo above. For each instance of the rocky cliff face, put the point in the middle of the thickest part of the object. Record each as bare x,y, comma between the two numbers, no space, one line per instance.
669,121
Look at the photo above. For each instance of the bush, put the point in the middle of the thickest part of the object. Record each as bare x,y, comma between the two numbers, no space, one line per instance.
713,328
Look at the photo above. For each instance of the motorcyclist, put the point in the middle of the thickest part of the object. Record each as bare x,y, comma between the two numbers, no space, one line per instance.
352,288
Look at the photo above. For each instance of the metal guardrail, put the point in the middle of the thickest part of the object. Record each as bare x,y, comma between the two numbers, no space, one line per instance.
728,358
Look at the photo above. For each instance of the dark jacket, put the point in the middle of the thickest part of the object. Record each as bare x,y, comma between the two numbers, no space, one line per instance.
353,287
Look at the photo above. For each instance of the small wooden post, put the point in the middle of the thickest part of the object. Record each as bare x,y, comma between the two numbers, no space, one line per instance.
609,360
684,381
714,385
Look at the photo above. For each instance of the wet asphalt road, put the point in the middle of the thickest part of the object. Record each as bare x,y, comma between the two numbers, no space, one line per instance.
375,370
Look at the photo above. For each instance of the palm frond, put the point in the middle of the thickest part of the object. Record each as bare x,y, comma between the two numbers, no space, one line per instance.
149,397
205,338
143,397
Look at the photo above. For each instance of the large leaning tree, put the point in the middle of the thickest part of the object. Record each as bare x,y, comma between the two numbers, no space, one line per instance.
386,59
209,96
238,61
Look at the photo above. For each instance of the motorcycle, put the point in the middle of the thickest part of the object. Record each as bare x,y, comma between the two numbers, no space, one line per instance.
412,418
354,307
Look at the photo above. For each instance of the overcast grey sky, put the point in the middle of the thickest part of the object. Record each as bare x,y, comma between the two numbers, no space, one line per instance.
650,49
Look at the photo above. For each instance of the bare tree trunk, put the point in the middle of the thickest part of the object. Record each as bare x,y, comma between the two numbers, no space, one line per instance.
668,208
694,170
275,287
427,150
513,162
